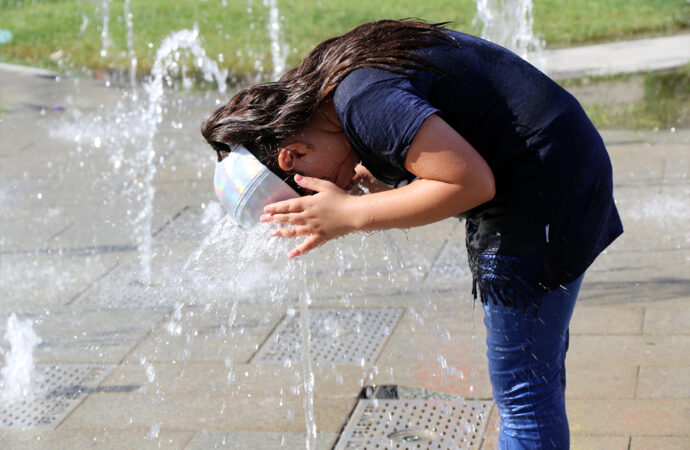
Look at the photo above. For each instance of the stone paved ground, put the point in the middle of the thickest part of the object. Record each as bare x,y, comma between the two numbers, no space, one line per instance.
177,355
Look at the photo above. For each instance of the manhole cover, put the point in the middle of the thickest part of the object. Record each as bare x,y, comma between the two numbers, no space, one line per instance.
425,424
392,416
338,336
60,388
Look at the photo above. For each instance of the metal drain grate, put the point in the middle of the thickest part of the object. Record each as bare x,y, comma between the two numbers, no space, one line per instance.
338,336
423,424
60,388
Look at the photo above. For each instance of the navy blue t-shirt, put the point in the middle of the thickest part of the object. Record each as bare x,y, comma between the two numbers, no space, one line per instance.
553,211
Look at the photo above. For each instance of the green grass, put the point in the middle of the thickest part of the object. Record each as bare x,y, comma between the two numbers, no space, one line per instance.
567,22
665,102
238,31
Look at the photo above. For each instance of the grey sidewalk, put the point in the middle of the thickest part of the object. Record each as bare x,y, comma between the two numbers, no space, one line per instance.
184,362
640,55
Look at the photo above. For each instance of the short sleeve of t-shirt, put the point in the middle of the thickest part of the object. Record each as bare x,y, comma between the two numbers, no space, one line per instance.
381,112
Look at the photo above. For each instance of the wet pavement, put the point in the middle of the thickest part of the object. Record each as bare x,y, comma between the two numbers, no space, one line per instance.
185,362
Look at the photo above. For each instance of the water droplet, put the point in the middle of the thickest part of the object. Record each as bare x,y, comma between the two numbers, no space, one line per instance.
153,431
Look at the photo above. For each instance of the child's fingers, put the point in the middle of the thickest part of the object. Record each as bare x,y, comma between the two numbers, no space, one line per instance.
313,184
286,206
290,232
293,218
309,244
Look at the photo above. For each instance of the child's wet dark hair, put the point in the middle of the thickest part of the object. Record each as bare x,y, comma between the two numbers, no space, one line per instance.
262,116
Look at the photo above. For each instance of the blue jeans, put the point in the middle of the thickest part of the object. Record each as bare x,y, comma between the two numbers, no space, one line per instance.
526,352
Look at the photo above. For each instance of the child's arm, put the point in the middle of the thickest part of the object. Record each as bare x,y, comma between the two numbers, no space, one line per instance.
364,179
453,178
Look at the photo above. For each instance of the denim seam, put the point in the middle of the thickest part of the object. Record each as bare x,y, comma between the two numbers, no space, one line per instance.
532,341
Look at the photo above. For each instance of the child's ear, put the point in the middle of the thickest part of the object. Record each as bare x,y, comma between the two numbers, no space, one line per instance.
286,160
289,155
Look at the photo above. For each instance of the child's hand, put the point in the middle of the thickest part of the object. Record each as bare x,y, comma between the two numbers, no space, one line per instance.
365,179
326,215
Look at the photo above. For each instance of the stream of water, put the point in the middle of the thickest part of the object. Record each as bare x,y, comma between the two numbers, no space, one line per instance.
18,377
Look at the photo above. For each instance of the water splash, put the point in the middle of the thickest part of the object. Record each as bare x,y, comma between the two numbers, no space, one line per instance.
129,22
509,23
308,399
19,374
127,133
278,53
106,41
237,264
168,61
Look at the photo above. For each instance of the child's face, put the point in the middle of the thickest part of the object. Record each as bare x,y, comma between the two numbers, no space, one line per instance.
321,154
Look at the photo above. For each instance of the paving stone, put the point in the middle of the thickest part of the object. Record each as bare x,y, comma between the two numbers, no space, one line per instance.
655,278
435,307
629,350
628,157
451,266
196,334
381,281
606,320
237,380
600,381
640,417
578,442
170,283
45,280
466,381
677,163
208,411
667,320
660,442
258,441
190,225
89,336
664,382
101,437
443,313
412,340
24,232
452,367
23,140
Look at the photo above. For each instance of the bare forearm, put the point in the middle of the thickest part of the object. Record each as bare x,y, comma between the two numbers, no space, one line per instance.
419,203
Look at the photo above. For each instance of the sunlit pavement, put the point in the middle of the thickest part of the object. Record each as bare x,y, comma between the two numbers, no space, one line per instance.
618,57
179,366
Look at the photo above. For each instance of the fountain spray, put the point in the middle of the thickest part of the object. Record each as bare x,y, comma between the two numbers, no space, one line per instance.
509,23
167,61
18,377
278,53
